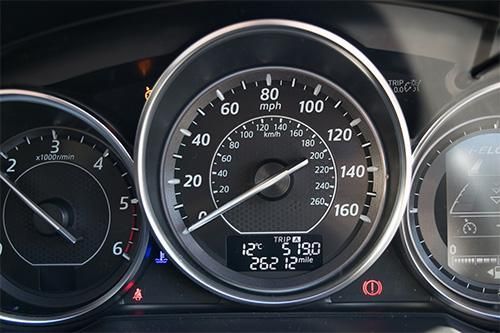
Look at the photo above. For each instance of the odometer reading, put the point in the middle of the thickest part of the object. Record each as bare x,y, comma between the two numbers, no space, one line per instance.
274,252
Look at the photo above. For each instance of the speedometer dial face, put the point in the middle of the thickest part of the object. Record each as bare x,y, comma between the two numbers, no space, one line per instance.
273,178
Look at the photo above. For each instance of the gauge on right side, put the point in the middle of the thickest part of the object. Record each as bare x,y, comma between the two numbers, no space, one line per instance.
452,226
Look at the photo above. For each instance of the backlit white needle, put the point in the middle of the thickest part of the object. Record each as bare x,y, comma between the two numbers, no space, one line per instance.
246,195
38,210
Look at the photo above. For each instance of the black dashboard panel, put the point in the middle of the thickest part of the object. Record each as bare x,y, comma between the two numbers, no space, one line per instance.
106,58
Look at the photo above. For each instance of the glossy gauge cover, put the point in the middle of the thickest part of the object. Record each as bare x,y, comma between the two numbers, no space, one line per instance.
205,207
451,230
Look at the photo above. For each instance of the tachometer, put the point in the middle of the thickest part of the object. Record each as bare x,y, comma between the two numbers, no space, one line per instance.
273,181
71,233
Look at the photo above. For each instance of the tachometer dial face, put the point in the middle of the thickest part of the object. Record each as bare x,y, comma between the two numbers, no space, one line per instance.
78,181
273,178
70,233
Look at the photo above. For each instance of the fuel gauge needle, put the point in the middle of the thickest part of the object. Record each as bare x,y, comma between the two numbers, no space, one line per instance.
246,195
38,210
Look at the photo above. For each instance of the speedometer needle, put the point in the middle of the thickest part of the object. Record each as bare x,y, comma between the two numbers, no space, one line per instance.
246,195
38,210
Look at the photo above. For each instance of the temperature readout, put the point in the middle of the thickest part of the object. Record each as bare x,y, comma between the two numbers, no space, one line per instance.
274,252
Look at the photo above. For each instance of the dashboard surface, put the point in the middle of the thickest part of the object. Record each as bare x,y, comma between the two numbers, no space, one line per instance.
106,95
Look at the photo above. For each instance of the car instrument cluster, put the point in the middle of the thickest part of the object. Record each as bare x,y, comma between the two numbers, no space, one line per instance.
320,157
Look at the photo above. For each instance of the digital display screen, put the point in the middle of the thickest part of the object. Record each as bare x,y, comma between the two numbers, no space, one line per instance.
274,252
473,202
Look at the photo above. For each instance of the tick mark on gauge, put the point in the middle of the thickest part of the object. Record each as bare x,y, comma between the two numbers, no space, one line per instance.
365,218
54,135
124,174
413,210
174,181
293,82
337,104
3,155
372,169
355,122
269,79
124,255
106,153
200,111
371,194
177,156
28,140
82,138
178,206
134,229
317,90
219,94
134,201
243,85
186,132
366,144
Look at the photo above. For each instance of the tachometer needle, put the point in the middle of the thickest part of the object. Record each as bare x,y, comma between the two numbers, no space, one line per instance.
246,195
38,210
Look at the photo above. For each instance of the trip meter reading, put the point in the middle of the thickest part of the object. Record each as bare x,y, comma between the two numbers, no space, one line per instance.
274,253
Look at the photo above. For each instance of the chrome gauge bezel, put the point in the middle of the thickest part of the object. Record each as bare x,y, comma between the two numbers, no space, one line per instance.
87,119
454,117
178,88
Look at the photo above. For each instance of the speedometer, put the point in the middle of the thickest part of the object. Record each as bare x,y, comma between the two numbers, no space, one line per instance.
274,152
280,180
